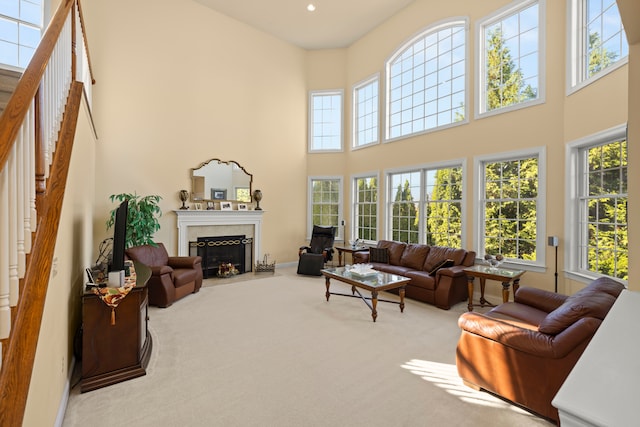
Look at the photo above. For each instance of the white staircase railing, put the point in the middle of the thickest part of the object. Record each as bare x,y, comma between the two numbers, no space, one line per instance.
18,185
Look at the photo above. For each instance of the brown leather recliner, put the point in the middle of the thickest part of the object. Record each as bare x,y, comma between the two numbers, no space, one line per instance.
171,277
524,350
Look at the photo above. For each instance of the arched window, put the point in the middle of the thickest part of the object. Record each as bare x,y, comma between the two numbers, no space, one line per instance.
426,81
597,42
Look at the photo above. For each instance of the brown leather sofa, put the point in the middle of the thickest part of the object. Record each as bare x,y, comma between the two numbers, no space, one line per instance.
172,278
524,350
443,288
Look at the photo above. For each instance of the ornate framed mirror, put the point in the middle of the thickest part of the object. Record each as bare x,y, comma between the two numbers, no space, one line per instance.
216,180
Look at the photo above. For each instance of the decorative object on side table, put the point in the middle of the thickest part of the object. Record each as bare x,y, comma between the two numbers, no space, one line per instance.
257,196
494,261
184,196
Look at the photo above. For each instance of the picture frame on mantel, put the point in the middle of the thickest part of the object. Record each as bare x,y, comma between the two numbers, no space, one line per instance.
218,194
226,206
243,207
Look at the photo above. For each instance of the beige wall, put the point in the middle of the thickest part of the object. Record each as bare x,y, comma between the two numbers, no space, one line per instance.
630,11
179,84
73,251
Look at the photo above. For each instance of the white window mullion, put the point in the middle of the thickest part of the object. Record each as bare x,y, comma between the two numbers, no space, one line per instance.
326,121
325,203
586,258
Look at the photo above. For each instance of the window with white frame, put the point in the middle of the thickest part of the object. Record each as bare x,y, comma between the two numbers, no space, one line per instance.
511,55
403,206
511,209
425,205
443,210
20,31
365,113
325,121
598,241
598,43
426,81
365,208
325,203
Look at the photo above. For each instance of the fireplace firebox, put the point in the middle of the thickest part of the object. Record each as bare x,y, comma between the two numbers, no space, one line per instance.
221,251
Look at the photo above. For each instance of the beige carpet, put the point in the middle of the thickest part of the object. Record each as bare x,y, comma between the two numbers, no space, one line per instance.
272,351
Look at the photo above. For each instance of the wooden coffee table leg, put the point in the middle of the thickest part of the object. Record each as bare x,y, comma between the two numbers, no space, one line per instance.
516,285
470,290
483,284
327,283
401,299
374,304
505,291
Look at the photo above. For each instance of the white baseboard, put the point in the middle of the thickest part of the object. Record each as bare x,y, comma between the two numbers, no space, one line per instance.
64,400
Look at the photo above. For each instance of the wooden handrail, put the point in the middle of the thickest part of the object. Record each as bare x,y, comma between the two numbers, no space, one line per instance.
17,365
14,113
22,115
86,43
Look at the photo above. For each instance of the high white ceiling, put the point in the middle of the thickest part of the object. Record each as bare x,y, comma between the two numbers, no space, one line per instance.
334,24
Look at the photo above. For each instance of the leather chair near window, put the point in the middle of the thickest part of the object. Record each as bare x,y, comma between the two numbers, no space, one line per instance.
319,251
172,277
524,350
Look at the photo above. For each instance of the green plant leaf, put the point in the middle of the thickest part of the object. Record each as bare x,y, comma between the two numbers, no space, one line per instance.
142,218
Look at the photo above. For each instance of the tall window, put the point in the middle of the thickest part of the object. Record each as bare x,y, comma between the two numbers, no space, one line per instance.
511,55
427,81
599,215
511,209
20,27
598,41
425,205
325,202
443,212
325,130
365,113
365,208
403,206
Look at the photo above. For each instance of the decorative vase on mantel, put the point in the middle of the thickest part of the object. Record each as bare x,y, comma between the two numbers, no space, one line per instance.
184,196
257,196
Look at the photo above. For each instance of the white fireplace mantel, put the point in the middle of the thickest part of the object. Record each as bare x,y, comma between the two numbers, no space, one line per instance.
205,218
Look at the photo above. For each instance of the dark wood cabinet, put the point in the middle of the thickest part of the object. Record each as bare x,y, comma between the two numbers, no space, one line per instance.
112,353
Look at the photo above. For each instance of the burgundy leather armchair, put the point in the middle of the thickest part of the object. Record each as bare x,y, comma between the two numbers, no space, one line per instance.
172,278
524,350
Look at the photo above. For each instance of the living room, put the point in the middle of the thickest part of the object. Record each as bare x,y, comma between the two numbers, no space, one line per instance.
212,87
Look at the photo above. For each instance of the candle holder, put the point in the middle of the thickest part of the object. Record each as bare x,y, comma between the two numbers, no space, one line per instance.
184,196
257,196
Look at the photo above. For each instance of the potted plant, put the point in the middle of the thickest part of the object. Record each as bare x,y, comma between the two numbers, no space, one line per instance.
142,218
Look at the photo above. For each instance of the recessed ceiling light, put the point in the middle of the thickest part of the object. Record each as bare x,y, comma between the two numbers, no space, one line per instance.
311,7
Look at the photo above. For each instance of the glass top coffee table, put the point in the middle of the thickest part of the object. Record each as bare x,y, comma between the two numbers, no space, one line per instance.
375,282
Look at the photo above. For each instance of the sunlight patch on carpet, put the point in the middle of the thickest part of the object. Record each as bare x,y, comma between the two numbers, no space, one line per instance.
445,376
